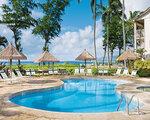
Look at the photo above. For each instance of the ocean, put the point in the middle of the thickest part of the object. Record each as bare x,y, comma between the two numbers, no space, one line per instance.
61,62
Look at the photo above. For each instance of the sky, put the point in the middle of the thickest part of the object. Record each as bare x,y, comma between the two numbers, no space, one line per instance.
76,31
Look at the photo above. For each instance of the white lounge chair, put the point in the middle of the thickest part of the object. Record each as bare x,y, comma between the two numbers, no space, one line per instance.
133,73
105,72
118,72
3,74
89,71
13,75
6,79
100,71
82,71
19,73
56,72
28,72
50,72
76,71
125,71
33,72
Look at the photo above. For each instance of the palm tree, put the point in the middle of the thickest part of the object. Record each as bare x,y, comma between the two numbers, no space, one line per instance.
129,27
104,12
93,8
3,41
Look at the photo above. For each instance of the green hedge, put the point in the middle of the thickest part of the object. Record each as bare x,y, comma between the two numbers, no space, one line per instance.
139,64
144,72
143,68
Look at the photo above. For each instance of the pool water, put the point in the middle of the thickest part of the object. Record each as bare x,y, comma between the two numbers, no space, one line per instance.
76,95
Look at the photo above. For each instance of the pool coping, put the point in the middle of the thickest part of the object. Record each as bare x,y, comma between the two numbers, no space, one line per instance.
54,114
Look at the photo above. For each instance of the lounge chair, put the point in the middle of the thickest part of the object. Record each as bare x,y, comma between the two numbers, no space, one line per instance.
28,72
105,72
6,78
19,73
89,71
100,71
76,71
82,71
133,73
33,72
118,72
13,75
3,75
50,72
125,71
56,72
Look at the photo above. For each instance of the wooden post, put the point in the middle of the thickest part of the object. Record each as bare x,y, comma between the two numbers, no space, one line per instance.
11,68
85,68
135,40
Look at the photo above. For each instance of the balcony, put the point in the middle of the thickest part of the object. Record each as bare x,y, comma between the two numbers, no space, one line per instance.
140,34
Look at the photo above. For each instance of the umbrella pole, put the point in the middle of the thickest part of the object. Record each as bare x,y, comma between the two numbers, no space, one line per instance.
11,68
53,66
85,67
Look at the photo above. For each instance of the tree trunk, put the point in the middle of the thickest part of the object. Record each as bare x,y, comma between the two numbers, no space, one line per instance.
16,42
107,20
108,45
119,51
104,55
111,59
45,48
95,34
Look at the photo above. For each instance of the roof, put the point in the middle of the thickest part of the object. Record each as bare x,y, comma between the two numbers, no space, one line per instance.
85,55
127,55
10,52
143,13
46,57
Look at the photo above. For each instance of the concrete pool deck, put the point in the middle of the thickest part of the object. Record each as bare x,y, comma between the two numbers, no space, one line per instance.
10,111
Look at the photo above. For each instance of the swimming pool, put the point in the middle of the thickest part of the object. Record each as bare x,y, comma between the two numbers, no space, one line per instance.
77,95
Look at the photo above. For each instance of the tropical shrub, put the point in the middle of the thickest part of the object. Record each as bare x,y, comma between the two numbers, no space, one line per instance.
70,71
143,68
112,71
144,72
142,64
94,71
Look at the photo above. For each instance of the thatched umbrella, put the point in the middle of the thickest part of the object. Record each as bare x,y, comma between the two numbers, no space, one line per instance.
11,53
128,55
85,56
46,57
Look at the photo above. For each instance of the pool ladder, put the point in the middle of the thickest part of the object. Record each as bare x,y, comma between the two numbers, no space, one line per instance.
128,102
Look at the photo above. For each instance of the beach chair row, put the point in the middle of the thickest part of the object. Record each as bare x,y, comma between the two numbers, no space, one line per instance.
13,77
89,71
32,72
82,71
125,71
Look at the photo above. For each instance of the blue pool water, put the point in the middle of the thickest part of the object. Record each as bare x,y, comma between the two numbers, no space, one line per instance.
76,95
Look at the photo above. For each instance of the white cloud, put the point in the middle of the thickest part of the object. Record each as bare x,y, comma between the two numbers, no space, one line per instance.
70,44
136,5
3,2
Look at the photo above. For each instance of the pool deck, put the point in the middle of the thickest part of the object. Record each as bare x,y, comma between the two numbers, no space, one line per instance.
10,111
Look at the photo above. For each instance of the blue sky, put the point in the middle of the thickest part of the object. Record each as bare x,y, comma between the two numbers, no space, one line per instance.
77,31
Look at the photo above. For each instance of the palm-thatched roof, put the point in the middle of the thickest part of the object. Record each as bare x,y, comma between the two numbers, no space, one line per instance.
85,55
46,57
10,52
128,55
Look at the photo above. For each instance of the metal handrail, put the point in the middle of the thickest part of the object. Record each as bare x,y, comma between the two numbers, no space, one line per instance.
128,103
120,102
